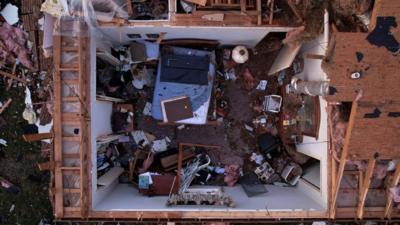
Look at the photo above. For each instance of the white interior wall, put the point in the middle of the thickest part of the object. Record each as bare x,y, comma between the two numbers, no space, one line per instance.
126,198
248,36
101,111
316,148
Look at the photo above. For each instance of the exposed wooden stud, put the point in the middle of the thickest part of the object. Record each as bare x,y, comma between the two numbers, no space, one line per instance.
314,56
12,76
389,201
259,12
271,13
46,166
37,137
374,14
343,158
57,126
5,105
243,6
365,187
161,37
295,11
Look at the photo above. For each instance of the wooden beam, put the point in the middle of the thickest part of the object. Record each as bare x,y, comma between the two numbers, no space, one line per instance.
343,158
389,202
314,56
295,11
243,6
375,10
57,126
37,137
271,13
46,166
5,105
365,187
11,76
259,12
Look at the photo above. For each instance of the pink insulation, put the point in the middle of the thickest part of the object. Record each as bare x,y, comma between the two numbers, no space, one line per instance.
12,44
396,194
232,174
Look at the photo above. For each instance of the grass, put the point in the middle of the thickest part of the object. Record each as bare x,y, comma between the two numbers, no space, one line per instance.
20,161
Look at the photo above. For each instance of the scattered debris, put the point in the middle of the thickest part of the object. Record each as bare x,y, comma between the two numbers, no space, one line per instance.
375,114
12,45
8,186
240,54
257,158
214,17
3,142
10,14
262,85
160,145
147,109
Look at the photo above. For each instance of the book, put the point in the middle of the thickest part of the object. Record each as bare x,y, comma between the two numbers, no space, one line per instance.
176,109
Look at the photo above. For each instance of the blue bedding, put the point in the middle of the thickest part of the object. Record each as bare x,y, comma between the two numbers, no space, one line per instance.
198,94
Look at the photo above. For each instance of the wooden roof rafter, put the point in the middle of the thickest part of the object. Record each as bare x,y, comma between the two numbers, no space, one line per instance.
389,201
366,181
78,94
343,159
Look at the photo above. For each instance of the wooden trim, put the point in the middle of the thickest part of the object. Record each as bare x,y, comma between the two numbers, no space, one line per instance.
389,202
37,137
365,187
343,158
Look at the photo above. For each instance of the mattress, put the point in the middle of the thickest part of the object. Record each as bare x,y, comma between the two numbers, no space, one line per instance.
199,95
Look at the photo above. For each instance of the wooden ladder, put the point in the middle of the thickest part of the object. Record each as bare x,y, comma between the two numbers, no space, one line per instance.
71,116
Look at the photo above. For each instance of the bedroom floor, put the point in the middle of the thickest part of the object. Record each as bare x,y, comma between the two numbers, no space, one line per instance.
230,133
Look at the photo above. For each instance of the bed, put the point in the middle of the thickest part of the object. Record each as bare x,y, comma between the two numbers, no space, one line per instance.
199,95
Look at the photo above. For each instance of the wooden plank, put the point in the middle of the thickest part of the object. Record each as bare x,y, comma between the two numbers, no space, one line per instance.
314,56
271,14
82,81
37,137
365,187
198,2
343,157
243,6
375,10
389,202
259,12
11,76
5,105
86,138
295,10
46,166
57,126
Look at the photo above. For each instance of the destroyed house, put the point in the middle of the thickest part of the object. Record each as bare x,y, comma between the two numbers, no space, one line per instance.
172,110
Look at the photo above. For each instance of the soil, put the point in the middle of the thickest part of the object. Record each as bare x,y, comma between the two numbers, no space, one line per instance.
19,166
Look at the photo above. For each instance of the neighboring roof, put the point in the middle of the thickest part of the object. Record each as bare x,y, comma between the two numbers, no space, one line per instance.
380,77
380,83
